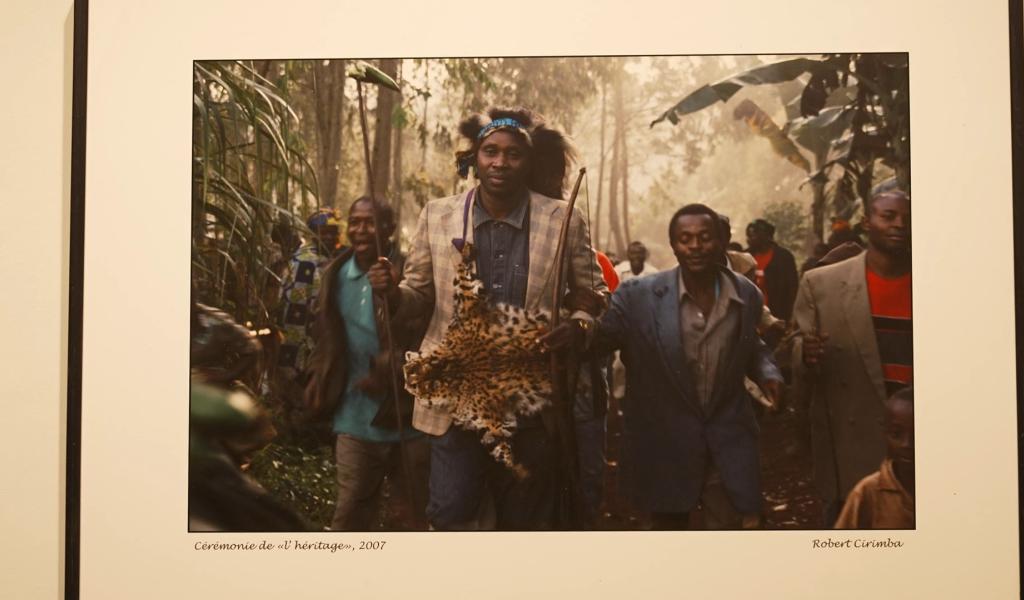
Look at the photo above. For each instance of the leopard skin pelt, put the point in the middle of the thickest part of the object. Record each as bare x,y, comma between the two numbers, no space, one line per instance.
488,368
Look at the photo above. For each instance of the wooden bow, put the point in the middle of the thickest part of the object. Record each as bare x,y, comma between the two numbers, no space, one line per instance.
570,511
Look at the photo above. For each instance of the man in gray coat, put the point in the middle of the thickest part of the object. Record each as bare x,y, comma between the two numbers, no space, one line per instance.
688,338
855,348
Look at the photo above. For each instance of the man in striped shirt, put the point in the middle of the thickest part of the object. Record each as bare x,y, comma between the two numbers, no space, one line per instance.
856,347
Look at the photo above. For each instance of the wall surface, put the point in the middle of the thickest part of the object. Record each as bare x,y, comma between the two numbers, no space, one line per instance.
35,179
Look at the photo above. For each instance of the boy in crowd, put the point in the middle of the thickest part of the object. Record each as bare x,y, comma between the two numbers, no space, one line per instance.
885,499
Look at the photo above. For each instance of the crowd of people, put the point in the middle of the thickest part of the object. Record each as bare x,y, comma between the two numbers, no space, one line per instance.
694,354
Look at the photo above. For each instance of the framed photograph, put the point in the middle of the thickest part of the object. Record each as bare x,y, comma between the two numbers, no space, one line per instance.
542,298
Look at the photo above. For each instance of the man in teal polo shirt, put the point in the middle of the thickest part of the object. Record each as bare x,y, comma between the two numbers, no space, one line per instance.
350,378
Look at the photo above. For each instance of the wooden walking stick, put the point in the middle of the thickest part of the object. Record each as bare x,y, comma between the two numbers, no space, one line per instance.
364,72
828,421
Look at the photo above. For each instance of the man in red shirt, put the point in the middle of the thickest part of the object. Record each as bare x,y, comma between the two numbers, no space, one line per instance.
776,268
855,347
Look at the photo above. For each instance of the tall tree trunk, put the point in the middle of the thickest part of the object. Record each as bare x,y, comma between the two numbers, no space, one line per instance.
625,183
424,144
262,67
864,181
817,212
381,153
616,174
329,106
600,169
303,194
903,175
818,202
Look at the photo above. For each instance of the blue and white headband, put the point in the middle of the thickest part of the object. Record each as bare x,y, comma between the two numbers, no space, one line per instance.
503,123
469,160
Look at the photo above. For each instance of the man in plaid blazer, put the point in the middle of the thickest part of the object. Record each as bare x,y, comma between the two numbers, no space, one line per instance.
513,219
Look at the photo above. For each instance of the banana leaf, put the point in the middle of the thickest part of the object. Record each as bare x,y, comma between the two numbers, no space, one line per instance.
761,124
722,91
839,153
818,132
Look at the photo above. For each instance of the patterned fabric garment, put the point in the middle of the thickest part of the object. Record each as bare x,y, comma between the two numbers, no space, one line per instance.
892,315
301,287
487,369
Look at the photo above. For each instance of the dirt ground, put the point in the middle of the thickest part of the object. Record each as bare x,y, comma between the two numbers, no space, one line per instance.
789,499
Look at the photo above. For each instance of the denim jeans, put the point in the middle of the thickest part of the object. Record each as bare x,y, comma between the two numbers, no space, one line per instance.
462,472
590,453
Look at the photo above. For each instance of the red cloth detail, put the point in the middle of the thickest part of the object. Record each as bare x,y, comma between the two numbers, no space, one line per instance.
611,278
763,259
900,373
891,304
890,297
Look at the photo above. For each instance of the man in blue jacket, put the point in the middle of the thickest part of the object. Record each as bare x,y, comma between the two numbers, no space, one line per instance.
688,337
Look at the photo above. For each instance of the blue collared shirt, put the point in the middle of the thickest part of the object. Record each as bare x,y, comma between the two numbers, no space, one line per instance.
503,253
358,409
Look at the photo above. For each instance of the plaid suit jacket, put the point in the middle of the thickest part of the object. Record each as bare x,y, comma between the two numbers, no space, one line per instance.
431,266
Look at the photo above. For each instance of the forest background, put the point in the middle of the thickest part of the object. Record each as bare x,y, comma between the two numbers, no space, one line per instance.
798,141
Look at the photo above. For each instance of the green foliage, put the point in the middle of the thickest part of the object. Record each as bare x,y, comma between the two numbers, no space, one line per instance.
247,161
256,135
554,87
400,117
871,123
851,111
792,224
694,139
471,78
301,478
422,188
